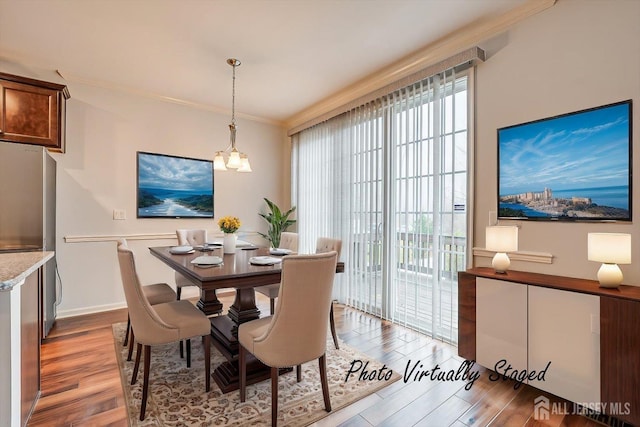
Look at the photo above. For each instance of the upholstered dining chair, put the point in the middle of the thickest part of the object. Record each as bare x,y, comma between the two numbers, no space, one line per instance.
326,244
156,294
288,240
159,324
194,237
297,332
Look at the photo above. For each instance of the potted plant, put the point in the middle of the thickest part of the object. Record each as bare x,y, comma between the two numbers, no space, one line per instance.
278,222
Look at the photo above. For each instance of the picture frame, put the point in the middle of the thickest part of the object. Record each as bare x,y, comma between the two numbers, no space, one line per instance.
173,186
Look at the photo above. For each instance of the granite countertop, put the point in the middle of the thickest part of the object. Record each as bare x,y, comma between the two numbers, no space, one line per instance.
16,266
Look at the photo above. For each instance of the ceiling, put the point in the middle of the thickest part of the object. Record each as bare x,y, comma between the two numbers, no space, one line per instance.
294,53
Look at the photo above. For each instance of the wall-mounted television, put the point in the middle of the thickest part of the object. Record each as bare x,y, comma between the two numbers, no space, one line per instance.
174,187
572,167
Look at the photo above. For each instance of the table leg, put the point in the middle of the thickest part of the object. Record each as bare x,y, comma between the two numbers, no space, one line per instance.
209,303
224,330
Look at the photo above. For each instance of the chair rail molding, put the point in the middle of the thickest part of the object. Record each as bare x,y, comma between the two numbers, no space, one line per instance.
92,238
539,257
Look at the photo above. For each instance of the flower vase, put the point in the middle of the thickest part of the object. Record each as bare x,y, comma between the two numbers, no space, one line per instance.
229,243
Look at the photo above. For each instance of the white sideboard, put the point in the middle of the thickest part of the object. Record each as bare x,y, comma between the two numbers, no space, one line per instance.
588,333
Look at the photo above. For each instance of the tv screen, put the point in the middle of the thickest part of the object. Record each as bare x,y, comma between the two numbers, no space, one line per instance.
174,187
573,167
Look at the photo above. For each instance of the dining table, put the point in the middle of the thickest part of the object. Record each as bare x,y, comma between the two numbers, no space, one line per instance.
235,271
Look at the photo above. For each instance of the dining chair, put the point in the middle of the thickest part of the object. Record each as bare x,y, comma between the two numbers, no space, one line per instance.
288,240
159,324
155,294
193,237
297,332
196,237
326,244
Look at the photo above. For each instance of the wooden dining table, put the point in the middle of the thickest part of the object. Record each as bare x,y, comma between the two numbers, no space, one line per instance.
237,272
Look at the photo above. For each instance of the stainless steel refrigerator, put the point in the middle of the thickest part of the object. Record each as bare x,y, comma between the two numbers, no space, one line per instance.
28,212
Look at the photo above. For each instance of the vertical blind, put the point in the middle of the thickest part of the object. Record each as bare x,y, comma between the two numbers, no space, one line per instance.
390,179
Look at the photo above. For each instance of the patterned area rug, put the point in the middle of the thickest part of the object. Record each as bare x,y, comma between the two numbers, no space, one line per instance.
177,396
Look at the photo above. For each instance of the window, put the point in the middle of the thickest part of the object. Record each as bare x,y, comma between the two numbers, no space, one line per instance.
390,179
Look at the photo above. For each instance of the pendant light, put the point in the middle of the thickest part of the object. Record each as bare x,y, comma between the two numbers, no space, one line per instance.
236,160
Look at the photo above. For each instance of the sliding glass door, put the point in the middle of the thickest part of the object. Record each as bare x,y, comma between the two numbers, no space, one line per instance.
396,193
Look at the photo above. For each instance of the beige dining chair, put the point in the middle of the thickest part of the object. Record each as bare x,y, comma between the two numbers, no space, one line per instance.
159,324
194,237
326,244
156,294
297,332
288,240
323,244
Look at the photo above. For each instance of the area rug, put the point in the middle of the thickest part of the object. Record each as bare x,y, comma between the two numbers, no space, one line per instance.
177,396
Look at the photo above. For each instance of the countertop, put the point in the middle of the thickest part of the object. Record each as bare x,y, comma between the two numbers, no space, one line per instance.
16,266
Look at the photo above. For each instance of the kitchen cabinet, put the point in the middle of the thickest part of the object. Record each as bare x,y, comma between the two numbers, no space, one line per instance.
20,317
588,333
32,111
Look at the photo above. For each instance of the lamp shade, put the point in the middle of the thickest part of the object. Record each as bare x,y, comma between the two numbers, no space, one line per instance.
610,248
502,238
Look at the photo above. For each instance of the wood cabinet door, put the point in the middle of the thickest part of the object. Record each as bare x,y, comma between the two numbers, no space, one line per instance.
30,114
620,357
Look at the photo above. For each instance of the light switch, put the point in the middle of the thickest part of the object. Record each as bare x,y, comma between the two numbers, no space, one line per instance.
119,214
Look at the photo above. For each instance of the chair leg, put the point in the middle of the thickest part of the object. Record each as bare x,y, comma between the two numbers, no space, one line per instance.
272,305
206,342
181,350
188,353
178,292
134,375
242,365
145,384
333,328
126,335
322,361
131,340
299,373
274,396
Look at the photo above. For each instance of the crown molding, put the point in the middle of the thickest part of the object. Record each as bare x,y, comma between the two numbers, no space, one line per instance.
103,84
431,54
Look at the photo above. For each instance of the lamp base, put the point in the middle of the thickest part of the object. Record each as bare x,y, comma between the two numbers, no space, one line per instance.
501,262
609,276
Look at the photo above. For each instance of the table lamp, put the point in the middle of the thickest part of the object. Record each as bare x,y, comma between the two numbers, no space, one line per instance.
610,249
501,239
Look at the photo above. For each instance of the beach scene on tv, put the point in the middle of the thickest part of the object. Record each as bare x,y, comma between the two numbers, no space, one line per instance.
570,167
174,186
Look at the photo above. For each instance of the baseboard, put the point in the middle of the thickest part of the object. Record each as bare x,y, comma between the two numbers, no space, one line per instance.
89,310
108,307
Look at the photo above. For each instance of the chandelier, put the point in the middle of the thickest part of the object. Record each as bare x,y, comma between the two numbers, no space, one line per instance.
236,160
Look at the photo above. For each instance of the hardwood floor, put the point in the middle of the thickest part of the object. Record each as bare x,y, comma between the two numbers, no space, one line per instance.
81,383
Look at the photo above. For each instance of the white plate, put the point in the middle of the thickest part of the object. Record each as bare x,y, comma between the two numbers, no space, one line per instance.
280,251
207,260
180,250
264,260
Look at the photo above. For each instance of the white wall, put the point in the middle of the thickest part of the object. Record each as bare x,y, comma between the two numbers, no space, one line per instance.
98,174
575,55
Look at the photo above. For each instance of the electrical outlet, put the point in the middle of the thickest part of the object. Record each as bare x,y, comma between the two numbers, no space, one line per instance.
119,214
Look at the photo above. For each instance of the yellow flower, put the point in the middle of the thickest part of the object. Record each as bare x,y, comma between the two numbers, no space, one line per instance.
229,224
